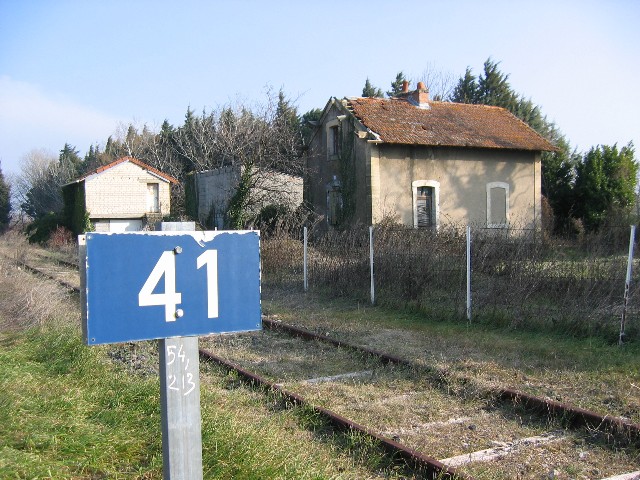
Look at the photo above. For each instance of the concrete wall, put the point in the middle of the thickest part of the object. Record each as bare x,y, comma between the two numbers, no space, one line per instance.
121,192
215,188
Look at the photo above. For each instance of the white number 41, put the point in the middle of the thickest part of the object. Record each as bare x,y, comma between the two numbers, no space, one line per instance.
166,266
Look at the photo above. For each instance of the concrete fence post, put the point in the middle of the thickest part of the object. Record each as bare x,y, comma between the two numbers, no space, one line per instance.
627,284
468,273
373,291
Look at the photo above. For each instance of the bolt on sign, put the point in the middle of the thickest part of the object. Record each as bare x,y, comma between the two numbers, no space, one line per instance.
153,285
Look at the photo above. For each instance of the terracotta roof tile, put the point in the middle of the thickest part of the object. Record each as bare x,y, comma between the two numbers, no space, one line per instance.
396,120
135,161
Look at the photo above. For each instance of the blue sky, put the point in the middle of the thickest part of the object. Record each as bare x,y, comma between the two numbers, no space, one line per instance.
74,71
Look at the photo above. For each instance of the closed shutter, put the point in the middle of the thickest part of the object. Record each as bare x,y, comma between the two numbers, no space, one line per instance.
424,207
498,213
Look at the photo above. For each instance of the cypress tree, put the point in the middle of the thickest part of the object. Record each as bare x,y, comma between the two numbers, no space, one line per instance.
396,85
466,91
605,183
371,91
5,202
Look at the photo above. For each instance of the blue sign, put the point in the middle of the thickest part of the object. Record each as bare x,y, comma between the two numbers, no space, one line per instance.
149,285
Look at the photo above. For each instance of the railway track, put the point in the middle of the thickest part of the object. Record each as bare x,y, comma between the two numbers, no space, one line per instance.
418,415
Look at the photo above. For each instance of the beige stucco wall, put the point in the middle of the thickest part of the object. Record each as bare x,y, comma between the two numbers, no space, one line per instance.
462,176
121,192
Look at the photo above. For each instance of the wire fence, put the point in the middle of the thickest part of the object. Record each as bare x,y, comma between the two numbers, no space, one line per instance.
518,278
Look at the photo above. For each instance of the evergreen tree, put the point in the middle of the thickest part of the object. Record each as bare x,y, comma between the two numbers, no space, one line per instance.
308,123
70,161
558,177
287,133
467,89
91,159
5,202
494,88
111,151
605,184
371,91
396,85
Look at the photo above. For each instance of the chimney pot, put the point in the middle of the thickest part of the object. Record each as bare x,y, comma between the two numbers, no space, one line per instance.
420,96
405,86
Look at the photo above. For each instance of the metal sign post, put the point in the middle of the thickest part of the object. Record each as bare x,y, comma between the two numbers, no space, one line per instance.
180,408
171,285
180,401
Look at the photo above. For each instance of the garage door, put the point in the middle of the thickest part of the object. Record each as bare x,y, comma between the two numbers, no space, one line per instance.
131,225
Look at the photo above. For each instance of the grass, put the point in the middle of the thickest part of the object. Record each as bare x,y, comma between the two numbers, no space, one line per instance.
68,411
67,414
79,412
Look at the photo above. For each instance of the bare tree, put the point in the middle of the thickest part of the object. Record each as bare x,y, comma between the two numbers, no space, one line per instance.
261,141
440,84
38,185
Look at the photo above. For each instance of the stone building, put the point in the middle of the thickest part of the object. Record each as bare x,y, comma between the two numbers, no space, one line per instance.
424,163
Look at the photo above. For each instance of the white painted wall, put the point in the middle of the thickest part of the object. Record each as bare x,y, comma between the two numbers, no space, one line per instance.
123,192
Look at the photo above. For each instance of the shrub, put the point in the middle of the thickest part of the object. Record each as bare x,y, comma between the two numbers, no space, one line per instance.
60,237
41,229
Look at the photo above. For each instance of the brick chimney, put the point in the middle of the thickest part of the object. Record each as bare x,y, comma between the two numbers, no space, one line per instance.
420,96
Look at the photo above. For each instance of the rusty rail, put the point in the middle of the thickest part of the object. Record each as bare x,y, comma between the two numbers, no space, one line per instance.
417,461
574,416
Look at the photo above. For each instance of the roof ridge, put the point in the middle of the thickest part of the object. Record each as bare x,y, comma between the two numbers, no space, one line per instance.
120,160
446,123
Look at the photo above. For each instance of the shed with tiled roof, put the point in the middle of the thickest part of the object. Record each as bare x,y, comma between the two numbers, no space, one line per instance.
424,163
124,195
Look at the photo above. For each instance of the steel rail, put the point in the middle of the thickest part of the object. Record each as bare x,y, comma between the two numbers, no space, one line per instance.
68,286
574,417
415,460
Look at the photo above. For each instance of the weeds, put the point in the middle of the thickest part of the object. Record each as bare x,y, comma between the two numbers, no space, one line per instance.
520,280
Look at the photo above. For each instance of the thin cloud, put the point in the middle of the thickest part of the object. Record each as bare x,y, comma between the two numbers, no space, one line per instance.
31,117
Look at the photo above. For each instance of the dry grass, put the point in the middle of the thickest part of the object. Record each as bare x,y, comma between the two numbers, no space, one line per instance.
571,458
440,420
26,301
70,411
519,280
455,415
585,372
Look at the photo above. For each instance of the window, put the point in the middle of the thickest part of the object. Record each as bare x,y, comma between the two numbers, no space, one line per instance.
153,198
497,205
426,203
424,207
334,141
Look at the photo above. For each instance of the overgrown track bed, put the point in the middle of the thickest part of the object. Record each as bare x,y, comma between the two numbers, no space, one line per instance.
412,409
62,271
573,416
479,435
